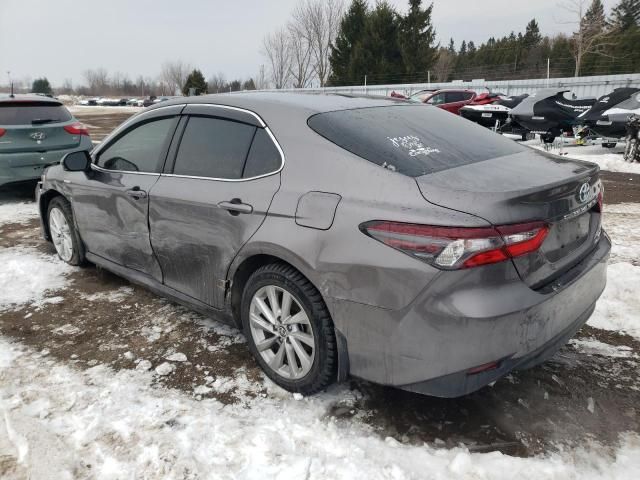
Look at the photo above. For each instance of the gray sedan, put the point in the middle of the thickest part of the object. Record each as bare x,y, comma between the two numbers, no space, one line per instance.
346,236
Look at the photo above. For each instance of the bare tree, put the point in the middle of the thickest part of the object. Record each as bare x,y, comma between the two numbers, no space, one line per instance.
97,80
261,79
590,34
318,22
173,75
217,83
300,48
277,49
444,65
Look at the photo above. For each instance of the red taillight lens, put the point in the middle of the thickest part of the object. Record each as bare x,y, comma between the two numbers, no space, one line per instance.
453,248
2,131
76,128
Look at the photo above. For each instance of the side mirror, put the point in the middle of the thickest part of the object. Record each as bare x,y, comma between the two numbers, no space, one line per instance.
77,161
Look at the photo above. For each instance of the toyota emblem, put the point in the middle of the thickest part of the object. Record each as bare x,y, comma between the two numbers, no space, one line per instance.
585,192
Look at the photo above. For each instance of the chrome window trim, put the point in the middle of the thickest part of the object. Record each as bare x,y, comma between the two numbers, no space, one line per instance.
95,166
282,162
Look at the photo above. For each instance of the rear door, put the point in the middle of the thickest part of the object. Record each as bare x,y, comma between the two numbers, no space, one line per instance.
111,203
212,198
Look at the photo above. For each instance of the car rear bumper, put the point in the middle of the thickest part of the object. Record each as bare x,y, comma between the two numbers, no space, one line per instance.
458,324
26,166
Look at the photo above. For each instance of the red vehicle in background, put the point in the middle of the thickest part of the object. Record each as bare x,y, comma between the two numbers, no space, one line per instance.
451,100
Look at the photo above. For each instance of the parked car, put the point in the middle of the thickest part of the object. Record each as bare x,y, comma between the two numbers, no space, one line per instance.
134,102
36,131
344,235
147,102
450,100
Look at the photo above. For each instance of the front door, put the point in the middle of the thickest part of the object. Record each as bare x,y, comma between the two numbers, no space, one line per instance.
215,198
111,203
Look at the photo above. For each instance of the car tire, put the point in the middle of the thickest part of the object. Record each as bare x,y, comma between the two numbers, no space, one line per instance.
64,235
276,344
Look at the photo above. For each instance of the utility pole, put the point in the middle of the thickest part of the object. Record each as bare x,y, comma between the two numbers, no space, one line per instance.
365,84
548,69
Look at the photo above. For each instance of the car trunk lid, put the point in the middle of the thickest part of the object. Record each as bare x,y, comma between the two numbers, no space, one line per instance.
525,187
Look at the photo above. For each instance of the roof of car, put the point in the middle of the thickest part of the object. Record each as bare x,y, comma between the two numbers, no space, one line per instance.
304,102
29,98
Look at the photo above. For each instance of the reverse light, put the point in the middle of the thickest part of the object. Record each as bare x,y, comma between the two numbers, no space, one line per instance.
76,128
453,248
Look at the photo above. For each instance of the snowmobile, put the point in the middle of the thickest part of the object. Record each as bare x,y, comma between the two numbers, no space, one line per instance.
492,111
550,112
632,149
609,116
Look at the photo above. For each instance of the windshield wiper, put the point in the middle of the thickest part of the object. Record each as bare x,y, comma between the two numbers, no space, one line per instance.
40,121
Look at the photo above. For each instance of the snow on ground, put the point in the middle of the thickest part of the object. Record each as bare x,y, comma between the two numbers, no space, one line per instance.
607,159
622,223
101,110
57,422
591,346
15,212
29,277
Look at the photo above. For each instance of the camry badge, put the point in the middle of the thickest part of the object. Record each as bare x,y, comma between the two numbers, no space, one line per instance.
584,192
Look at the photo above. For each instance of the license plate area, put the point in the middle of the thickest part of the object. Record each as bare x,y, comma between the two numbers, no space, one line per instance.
566,237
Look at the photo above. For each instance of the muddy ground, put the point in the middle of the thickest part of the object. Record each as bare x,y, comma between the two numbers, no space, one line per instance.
102,319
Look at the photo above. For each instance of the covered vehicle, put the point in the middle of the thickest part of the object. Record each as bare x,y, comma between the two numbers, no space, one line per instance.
361,236
610,114
494,112
551,112
36,131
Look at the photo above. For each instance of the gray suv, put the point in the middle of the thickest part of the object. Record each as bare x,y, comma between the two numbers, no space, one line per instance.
346,236
36,131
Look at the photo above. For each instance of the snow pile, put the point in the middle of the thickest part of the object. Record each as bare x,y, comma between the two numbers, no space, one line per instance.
21,213
592,346
619,307
29,277
61,423
622,223
607,159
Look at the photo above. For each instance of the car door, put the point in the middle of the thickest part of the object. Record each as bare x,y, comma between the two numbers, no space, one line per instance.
111,203
454,101
212,199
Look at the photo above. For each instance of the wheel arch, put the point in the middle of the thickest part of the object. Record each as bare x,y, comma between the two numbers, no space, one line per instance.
43,206
244,266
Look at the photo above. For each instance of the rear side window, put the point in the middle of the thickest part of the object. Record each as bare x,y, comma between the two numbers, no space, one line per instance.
214,148
27,113
263,157
140,149
413,140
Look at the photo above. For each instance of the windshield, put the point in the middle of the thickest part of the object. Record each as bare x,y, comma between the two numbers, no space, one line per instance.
413,140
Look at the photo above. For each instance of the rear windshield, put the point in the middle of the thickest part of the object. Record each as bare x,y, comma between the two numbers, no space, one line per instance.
26,113
414,140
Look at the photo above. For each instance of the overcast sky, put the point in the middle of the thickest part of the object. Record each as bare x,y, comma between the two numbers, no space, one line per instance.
62,38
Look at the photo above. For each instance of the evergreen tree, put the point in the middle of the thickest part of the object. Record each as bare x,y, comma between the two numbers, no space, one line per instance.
625,15
42,85
532,36
342,52
195,80
416,39
452,46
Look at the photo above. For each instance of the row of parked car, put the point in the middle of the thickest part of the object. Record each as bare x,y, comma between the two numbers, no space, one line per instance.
123,102
549,112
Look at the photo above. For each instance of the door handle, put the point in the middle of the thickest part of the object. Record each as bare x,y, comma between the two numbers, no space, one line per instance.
136,193
236,207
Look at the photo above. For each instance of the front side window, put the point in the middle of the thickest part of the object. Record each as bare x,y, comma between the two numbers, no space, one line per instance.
436,99
214,148
140,149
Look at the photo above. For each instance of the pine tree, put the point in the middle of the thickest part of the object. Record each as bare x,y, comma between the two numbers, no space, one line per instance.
349,36
416,39
195,80
42,85
532,36
625,15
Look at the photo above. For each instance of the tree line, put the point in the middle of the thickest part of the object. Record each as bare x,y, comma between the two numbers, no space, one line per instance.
378,45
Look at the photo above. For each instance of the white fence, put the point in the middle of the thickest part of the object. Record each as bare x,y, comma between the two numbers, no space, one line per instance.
595,86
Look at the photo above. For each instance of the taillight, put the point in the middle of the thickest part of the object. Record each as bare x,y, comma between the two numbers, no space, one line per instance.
2,131
453,248
76,128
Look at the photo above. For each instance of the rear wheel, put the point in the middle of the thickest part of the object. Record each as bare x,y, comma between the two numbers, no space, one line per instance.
63,233
289,330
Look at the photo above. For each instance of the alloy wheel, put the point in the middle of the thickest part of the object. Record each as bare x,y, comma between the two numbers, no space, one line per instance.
282,332
61,234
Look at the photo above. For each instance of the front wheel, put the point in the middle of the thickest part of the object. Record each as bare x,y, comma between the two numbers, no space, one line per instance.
289,329
63,233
